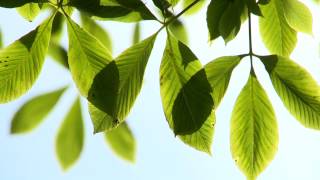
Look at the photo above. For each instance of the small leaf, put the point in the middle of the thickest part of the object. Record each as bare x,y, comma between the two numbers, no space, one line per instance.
196,8
34,111
298,16
275,31
29,11
183,83
178,29
297,89
59,54
70,137
116,87
18,3
87,56
219,72
119,10
97,31
136,34
254,130
122,142
254,7
21,62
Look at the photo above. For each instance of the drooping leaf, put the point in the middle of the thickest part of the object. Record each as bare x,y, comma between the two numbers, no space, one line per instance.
18,3
275,31
219,72
136,33
29,11
70,137
34,111
97,31
298,15
297,89
122,142
87,56
224,18
178,29
254,130
253,7
185,93
116,87
21,62
120,10
59,54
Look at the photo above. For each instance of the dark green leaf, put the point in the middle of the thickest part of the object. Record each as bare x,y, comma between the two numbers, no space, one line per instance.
59,54
178,29
120,10
29,11
97,31
219,72
254,130
70,137
34,111
21,62
57,27
297,89
122,142
18,3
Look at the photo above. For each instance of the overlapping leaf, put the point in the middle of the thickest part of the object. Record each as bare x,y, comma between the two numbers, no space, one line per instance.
33,112
70,137
87,57
119,10
21,62
297,89
185,92
122,142
280,22
219,72
97,31
254,132
29,11
117,86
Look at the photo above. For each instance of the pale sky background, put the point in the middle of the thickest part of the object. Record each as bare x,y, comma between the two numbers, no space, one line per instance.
159,154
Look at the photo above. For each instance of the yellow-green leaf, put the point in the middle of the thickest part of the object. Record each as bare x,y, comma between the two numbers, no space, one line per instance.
297,89
122,142
70,137
34,111
254,130
29,11
21,62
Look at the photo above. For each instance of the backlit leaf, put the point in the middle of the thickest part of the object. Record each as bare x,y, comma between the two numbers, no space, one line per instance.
29,11
70,137
21,62
122,142
34,111
254,130
297,89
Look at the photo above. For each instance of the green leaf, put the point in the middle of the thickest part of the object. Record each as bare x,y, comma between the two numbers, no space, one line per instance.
185,90
136,34
21,62
57,27
102,122
196,8
254,130
163,5
29,11
18,3
297,89
97,31
70,137
122,142
87,56
254,7
1,43
219,72
59,54
275,31
119,10
116,87
224,18
178,29
298,16
34,111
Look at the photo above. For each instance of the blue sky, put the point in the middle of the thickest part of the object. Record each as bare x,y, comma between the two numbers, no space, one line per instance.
160,155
